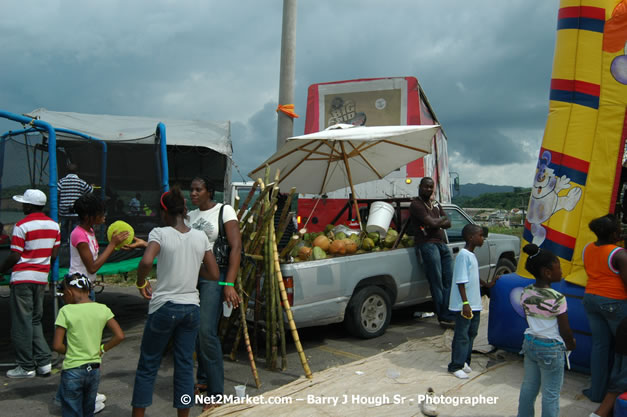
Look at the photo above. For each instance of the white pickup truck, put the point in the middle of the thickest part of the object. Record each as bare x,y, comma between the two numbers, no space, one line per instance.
361,290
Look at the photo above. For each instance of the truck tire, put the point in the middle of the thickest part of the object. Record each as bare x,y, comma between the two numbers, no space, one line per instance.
368,313
504,266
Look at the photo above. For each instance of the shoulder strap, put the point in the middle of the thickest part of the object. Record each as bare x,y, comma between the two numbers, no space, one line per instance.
220,222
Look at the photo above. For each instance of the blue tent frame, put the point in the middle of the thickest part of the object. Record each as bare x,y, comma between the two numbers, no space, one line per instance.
42,126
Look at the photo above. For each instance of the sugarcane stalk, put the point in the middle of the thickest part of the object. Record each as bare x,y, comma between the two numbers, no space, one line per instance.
247,284
288,312
271,304
242,317
260,200
267,296
264,222
288,248
279,310
272,301
249,197
228,322
257,312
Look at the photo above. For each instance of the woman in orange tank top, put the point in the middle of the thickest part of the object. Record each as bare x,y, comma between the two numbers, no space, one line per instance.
605,300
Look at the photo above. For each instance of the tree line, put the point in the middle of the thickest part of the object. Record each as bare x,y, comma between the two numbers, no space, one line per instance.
519,198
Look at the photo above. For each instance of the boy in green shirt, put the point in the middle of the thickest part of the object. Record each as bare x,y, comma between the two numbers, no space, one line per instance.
81,322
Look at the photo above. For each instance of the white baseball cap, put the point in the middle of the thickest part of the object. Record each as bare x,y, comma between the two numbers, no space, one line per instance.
34,197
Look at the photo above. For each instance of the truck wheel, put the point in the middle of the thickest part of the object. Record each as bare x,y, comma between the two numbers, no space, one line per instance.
504,266
368,313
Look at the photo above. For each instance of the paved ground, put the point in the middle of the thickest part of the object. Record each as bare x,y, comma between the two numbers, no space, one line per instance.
325,347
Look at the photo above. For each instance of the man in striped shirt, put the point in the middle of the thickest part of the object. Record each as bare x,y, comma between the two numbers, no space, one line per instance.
34,247
70,188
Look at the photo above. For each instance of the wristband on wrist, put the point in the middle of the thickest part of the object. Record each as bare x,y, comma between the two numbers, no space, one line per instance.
142,286
102,349
230,284
466,302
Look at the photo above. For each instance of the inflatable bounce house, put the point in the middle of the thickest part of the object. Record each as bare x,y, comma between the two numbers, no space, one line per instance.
578,175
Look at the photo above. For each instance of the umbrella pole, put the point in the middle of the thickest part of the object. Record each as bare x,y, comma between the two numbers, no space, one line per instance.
350,181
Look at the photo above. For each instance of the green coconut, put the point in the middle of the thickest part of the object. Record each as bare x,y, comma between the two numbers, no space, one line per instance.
318,253
367,244
121,226
390,238
374,236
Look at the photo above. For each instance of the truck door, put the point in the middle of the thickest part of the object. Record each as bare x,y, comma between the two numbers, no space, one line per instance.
456,241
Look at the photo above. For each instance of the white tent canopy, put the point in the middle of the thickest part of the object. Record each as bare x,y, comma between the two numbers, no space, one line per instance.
212,135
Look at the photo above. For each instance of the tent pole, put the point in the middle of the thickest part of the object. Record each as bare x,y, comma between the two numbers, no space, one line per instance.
350,181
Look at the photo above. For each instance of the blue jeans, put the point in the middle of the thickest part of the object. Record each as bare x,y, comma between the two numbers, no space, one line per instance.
78,391
604,315
465,333
27,307
438,265
544,369
178,322
208,347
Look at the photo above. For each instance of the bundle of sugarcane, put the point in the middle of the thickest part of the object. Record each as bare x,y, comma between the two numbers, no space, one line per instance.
259,242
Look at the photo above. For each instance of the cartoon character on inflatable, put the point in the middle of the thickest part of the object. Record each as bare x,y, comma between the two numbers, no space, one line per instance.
578,174
545,199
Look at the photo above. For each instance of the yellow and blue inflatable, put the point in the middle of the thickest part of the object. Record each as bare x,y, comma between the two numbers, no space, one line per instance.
578,171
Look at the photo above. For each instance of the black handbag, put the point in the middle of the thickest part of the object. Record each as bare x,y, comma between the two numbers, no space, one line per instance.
221,248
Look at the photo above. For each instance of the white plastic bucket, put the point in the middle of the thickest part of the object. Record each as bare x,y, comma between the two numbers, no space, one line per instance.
379,217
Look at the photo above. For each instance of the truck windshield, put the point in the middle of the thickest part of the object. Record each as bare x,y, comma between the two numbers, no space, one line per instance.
458,221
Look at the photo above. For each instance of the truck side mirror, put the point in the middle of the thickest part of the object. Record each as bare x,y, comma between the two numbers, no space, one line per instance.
456,184
485,231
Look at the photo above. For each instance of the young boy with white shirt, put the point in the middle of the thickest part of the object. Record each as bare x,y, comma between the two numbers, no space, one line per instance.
466,299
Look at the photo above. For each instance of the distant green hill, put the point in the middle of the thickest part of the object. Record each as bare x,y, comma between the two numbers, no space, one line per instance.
518,198
475,190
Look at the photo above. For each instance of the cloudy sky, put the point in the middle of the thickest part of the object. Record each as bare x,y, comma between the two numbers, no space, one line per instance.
485,66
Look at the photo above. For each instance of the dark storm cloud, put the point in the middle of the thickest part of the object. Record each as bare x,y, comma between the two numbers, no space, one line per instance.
487,147
484,65
255,139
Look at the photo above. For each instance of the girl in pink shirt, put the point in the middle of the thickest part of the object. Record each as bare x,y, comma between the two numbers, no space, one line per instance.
84,256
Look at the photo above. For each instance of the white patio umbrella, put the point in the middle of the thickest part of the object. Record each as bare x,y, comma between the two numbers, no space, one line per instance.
344,155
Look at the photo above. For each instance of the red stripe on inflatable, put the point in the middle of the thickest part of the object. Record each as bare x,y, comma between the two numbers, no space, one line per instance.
581,11
574,85
559,237
555,236
567,160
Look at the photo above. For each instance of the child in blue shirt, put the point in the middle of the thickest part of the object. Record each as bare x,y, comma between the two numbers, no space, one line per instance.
466,299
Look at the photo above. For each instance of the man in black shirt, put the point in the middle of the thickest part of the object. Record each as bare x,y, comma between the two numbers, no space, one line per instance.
429,221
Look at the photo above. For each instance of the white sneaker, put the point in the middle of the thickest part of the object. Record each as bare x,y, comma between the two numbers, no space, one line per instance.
99,407
44,370
19,372
460,374
427,407
101,398
467,368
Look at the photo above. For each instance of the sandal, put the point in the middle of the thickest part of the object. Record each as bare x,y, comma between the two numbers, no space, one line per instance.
200,388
